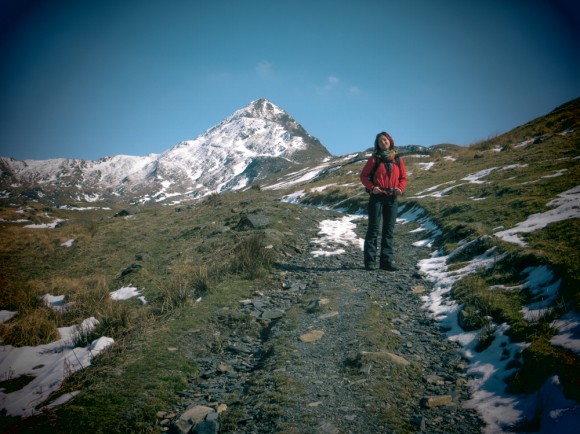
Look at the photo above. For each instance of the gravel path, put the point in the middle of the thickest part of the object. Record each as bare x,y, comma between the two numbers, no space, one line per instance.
332,348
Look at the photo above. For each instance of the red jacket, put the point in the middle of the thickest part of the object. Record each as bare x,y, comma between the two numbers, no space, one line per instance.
397,179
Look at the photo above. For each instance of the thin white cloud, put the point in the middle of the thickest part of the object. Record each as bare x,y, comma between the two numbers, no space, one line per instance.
264,69
334,84
331,84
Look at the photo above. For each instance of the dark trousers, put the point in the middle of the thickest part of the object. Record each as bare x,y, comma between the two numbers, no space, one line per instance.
385,207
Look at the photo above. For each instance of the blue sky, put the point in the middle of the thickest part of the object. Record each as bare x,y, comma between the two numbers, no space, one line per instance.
87,79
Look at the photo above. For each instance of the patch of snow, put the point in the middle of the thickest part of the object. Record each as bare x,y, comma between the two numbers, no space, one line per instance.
425,166
298,177
126,293
544,290
417,214
334,234
556,174
49,364
567,206
50,225
6,315
568,335
430,189
524,143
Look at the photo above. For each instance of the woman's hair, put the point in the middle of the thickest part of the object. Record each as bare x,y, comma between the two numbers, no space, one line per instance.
391,141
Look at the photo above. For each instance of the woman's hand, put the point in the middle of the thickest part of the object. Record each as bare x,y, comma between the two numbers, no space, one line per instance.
377,190
398,192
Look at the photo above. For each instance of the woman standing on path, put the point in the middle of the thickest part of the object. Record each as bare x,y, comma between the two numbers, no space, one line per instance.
385,178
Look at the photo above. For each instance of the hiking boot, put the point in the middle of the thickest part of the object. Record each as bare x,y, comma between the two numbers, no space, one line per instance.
369,267
389,267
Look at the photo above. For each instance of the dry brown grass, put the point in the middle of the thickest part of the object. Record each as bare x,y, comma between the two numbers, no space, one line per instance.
31,328
250,257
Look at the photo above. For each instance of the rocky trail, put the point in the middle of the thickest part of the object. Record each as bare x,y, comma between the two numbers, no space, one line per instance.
328,348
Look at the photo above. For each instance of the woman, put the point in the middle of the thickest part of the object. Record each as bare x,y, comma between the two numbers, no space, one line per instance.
385,178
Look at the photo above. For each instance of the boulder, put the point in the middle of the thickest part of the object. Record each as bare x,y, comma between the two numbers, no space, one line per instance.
192,416
257,221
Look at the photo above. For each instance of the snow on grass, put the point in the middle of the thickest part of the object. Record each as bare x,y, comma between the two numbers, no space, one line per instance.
567,206
473,178
55,302
50,225
294,197
334,234
47,365
68,243
568,335
556,174
85,208
6,315
431,189
50,364
126,293
435,270
417,214
425,166
489,368
476,178
544,289
524,143
15,221
298,177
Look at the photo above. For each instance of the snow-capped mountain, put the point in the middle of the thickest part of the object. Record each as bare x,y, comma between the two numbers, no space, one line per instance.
251,144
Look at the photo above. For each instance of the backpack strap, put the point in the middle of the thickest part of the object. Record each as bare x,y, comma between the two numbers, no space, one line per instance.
379,160
374,169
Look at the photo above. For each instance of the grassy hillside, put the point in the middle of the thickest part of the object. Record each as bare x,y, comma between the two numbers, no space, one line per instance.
175,255
472,193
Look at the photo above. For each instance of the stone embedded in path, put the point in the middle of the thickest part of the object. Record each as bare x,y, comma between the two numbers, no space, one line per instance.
327,428
328,315
312,336
272,314
194,415
436,401
419,289
435,379
366,356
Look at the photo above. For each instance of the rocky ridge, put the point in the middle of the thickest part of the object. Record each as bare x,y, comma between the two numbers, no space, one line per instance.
327,347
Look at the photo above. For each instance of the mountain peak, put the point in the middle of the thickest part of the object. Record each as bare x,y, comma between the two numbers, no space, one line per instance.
261,109
253,143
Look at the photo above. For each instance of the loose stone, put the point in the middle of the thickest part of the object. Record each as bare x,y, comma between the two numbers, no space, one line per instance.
436,401
312,336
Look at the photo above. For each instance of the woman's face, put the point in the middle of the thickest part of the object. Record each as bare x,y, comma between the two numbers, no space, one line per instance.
384,143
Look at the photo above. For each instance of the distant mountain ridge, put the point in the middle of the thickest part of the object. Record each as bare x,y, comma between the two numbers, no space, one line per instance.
250,145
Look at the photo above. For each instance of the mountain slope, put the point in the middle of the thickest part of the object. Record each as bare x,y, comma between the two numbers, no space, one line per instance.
251,144
503,219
